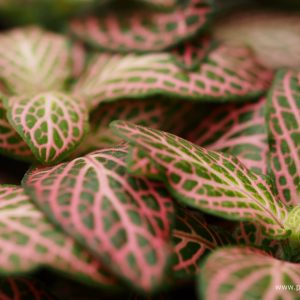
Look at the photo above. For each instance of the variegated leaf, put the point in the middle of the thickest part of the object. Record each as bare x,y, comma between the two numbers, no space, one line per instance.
245,273
143,30
193,238
214,182
190,54
28,240
238,129
11,144
123,220
230,73
52,123
33,60
22,288
293,223
283,119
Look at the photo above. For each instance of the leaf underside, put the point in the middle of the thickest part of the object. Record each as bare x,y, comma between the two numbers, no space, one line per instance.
210,181
125,221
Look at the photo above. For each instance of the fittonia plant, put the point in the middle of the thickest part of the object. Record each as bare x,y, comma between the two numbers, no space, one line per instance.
196,182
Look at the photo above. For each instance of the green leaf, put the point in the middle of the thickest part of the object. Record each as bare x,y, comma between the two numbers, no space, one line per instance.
251,234
230,73
52,124
11,144
245,273
213,182
28,240
33,60
238,129
284,135
22,288
193,239
143,30
123,220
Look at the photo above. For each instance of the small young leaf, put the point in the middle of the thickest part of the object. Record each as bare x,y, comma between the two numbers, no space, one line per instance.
210,181
52,124
28,240
230,73
11,144
283,119
245,273
193,238
22,288
123,220
238,129
142,31
33,60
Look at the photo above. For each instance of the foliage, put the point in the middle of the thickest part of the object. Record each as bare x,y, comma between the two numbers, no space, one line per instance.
160,149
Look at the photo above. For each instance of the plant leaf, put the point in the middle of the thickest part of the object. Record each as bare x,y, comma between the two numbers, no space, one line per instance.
213,182
33,60
284,135
238,129
11,144
272,34
123,220
193,238
142,30
22,288
251,234
52,124
230,73
245,273
29,240
145,112
190,54
164,4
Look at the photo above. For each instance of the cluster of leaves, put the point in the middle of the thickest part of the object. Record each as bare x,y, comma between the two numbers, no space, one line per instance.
157,155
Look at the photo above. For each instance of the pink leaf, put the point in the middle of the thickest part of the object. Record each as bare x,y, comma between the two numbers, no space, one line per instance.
28,240
230,73
238,129
143,30
123,220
